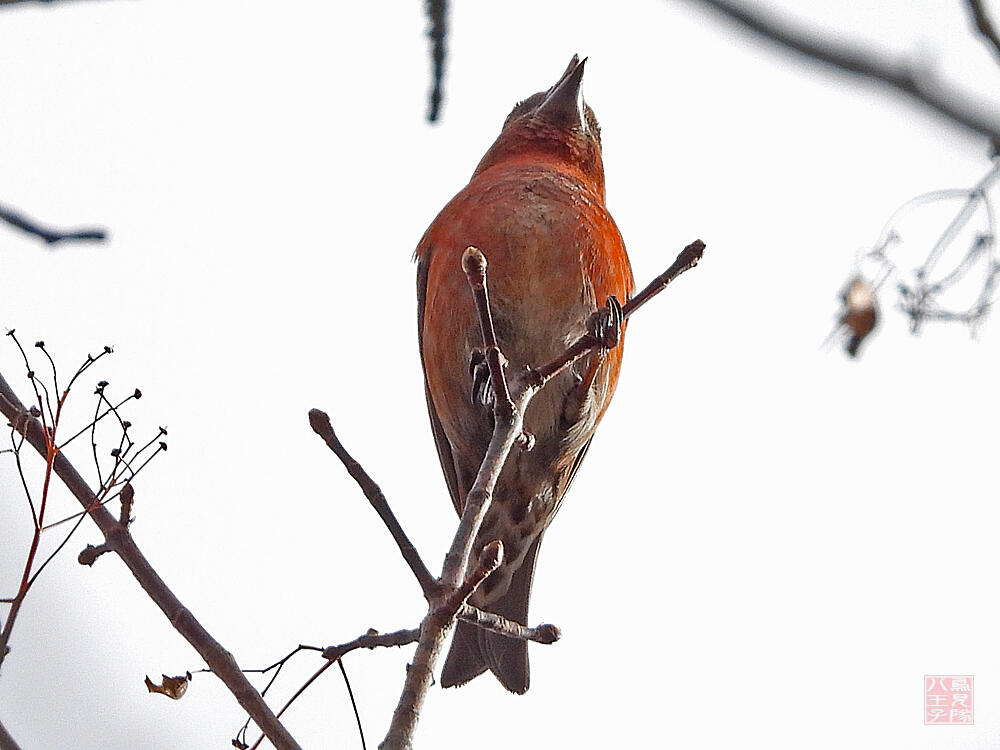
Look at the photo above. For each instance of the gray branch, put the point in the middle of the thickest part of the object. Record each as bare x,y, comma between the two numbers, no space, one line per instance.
47,234
984,25
899,74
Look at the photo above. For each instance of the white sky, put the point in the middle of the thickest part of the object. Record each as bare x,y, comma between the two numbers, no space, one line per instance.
769,545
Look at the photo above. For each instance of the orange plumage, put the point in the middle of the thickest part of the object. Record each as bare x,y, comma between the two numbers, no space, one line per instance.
535,208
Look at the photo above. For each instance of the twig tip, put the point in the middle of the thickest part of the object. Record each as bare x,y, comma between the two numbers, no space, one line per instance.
474,265
319,420
548,633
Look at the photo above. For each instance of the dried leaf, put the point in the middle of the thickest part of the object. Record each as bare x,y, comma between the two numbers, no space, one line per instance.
172,687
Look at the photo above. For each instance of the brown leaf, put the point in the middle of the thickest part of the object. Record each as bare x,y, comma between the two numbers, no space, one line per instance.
172,687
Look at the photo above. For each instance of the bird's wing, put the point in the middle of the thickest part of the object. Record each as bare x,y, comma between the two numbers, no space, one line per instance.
576,464
440,439
571,475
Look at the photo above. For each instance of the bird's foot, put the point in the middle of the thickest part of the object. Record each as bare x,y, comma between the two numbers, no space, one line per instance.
526,441
605,325
482,383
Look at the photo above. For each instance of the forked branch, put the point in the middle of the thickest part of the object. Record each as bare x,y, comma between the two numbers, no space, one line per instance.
510,401
118,539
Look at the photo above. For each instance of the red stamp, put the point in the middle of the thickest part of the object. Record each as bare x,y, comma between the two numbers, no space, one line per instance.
948,699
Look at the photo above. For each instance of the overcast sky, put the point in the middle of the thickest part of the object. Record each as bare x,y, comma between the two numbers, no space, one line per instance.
769,544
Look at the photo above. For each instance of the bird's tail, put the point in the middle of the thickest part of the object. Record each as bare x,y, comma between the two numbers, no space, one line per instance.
474,650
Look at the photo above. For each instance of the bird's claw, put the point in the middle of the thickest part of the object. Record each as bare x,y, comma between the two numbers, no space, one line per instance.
605,325
527,441
482,383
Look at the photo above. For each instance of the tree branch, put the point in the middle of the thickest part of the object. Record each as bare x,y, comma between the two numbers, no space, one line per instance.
119,539
474,265
25,2
46,234
372,639
545,633
320,423
984,24
508,426
686,260
437,16
6,741
901,75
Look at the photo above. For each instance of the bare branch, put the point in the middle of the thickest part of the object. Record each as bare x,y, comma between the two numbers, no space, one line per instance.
922,295
118,538
900,75
372,639
320,423
474,265
545,633
295,696
25,2
984,24
489,560
6,741
457,583
354,704
437,15
47,234
686,260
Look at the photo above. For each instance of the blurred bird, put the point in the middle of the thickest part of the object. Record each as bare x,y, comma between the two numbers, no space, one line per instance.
860,314
535,207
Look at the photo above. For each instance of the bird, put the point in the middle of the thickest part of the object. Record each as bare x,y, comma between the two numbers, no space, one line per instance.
535,207
860,313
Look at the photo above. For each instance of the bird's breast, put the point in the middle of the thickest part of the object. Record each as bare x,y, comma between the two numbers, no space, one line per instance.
553,256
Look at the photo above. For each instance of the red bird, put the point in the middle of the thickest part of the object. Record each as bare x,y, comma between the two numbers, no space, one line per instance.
535,207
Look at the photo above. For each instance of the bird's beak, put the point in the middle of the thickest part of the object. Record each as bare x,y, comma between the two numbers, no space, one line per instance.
564,103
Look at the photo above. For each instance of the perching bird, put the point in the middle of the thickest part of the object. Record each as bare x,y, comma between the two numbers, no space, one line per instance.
535,208
860,313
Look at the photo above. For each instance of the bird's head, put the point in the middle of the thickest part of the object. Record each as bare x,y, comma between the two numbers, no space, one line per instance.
553,126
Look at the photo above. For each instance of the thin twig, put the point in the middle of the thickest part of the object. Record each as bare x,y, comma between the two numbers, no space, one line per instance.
899,75
919,296
55,552
686,260
372,639
354,704
17,440
474,265
545,633
48,452
47,234
437,15
276,668
960,220
984,24
489,560
320,423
